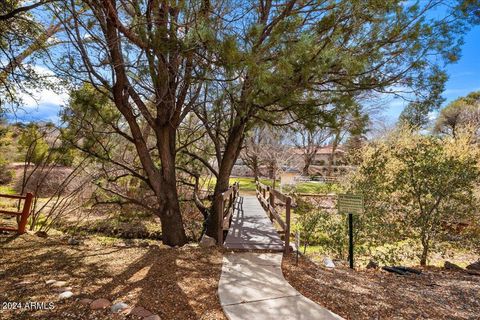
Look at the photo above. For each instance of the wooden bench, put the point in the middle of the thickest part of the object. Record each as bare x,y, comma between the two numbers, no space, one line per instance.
22,216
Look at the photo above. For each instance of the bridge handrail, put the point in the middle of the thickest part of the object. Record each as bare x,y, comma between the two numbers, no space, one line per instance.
226,210
268,203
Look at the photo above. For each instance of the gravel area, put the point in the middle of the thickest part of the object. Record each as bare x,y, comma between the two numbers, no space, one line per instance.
435,294
173,283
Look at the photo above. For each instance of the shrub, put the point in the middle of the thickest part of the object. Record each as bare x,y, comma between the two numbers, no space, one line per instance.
6,175
415,186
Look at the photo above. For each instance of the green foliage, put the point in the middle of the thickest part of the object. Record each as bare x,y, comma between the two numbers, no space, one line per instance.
322,228
459,114
33,144
88,115
313,187
416,113
416,186
5,174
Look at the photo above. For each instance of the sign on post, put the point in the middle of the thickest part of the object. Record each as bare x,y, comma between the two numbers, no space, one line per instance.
350,204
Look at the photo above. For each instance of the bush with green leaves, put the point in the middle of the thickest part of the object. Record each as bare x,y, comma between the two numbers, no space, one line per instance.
320,227
416,186
6,175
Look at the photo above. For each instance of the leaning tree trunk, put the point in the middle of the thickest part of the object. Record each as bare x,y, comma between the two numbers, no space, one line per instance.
232,151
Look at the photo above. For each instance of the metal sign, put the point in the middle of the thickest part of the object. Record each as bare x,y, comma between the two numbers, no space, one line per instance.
350,203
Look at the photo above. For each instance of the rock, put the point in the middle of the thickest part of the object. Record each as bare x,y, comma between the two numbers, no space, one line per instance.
474,266
65,295
99,304
207,241
372,265
59,284
452,266
119,306
85,301
41,234
63,289
140,312
73,241
152,317
23,283
327,262
128,242
144,244
50,281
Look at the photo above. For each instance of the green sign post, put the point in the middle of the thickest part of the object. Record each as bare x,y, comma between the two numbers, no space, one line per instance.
350,204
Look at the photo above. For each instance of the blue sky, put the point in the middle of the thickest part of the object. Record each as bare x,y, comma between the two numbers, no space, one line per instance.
464,77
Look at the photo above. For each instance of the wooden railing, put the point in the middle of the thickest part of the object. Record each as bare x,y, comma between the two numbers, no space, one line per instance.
267,197
226,209
22,216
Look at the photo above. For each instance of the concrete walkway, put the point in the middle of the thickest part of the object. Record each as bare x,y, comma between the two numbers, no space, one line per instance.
252,285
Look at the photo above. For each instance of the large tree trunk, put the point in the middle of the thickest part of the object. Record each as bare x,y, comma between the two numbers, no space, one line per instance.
232,151
173,232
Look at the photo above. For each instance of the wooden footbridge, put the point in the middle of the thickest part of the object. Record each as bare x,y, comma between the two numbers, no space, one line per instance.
252,285
249,222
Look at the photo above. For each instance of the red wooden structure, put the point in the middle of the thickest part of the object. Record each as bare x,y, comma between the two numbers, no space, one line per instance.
22,216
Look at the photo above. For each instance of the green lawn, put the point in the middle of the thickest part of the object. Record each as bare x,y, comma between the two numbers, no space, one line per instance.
248,185
315,187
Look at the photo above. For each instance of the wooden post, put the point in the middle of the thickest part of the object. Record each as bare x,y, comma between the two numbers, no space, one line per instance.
220,221
288,204
350,240
271,200
25,213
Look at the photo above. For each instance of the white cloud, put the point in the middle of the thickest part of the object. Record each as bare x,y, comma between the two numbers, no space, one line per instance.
42,104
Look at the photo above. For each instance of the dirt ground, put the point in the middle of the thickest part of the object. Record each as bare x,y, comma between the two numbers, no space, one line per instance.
173,283
435,294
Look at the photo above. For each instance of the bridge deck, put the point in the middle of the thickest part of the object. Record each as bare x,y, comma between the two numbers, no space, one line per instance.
251,229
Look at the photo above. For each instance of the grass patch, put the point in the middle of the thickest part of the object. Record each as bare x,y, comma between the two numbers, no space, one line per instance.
315,187
248,184
6,190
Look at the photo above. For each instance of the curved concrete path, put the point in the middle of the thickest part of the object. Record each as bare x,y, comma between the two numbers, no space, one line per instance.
252,285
